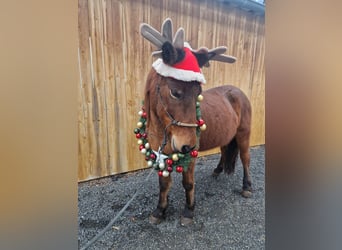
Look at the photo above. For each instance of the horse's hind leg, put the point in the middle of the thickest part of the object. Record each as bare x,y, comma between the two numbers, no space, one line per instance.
159,213
218,170
229,154
243,144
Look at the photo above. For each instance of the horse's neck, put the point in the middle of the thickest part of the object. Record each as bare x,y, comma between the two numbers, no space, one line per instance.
155,130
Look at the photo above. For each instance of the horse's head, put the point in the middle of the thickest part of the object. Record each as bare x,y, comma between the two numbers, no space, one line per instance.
173,86
171,108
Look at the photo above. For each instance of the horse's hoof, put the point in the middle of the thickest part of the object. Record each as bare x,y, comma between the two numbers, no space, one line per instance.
215,175
246,193
154,220
186,221
217,171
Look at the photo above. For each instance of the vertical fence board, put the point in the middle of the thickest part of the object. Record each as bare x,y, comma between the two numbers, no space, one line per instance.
114,61
109,51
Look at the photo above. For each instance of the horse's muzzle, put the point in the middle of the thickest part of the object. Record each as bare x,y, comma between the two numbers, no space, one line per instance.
184,149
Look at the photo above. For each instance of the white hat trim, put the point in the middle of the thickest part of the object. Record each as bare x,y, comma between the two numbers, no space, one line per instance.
179,74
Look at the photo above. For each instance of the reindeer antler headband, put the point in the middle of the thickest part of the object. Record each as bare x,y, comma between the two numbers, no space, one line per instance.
176,58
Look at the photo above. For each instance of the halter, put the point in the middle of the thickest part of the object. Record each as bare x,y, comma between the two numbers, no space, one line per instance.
173,122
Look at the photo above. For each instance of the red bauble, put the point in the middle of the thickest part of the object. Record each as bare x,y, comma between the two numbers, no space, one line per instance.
141,147
169,161
194,153
153,156
144,135
160,173
200,122
144,115
169,168
179,169
138,136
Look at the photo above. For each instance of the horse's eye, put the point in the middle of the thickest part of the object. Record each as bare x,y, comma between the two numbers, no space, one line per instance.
176,94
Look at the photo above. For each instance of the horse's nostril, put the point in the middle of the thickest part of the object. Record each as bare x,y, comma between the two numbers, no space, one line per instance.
186,149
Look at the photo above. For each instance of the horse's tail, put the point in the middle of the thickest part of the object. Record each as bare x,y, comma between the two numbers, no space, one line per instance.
231,152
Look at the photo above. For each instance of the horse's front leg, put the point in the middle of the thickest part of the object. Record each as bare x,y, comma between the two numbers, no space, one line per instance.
189,186
159,213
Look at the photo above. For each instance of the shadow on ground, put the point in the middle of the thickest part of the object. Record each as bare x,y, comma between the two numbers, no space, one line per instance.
223,218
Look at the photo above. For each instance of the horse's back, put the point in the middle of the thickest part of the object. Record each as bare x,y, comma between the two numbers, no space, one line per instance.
241,105
225,109
236,97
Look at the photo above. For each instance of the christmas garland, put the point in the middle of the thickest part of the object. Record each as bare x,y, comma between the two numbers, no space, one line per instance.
174,162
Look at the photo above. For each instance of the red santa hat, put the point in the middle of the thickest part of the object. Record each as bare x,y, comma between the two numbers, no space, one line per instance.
186,70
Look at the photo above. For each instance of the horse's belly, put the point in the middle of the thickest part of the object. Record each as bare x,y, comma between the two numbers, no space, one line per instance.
221,121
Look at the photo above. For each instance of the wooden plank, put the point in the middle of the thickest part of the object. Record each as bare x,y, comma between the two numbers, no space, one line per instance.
86,157
119,74
99,91
104,65
81,124
113,151
258,87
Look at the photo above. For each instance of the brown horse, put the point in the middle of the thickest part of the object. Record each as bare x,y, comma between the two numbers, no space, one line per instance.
226,111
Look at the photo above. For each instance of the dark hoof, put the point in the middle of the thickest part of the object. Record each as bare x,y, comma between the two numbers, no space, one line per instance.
154,220
246,193
215,175
187,215
186,221
157,215
217,171
230,171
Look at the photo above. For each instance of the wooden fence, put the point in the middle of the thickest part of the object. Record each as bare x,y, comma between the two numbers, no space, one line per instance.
114,61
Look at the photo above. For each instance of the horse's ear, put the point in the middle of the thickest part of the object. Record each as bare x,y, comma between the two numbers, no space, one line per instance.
202,57
171,54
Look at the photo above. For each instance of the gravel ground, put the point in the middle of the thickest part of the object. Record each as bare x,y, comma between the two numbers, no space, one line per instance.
223,218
